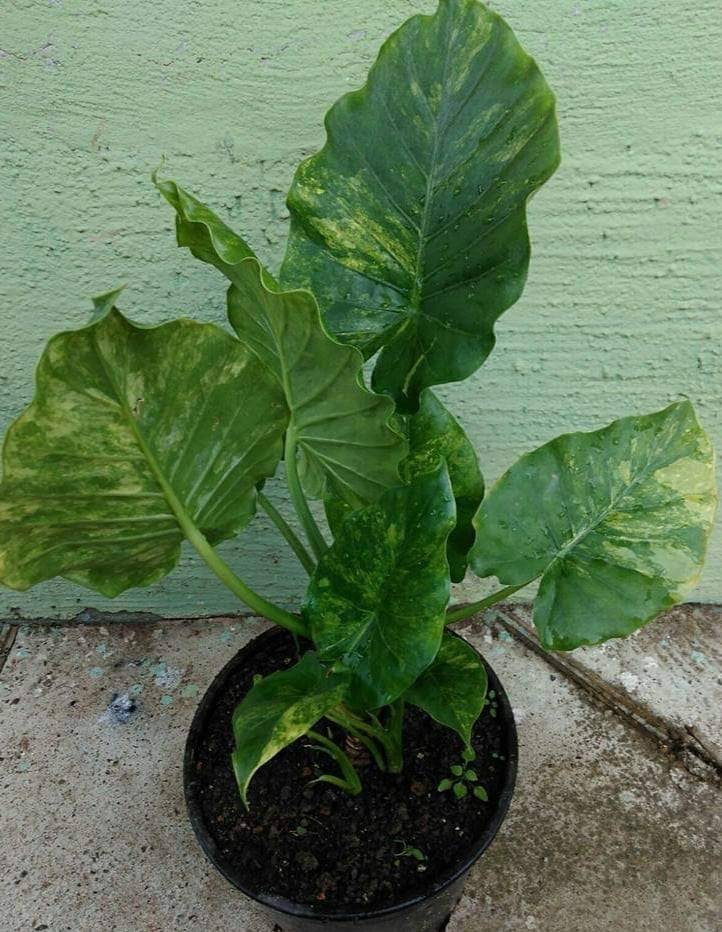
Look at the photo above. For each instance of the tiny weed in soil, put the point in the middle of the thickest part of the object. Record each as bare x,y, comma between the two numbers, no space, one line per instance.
409,852
466,776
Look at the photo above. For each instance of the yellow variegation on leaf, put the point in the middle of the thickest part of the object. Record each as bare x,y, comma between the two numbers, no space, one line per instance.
615,522
377,600
453,689
279,709
137,437
410,225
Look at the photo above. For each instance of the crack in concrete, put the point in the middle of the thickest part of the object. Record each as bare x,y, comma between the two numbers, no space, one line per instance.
8,633
683,743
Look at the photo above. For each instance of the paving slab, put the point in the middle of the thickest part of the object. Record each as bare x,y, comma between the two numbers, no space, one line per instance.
606,831
668,674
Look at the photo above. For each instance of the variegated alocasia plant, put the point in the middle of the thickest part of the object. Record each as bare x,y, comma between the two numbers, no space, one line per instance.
408,240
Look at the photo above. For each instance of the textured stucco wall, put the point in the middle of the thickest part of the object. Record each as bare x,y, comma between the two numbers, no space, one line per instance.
622,310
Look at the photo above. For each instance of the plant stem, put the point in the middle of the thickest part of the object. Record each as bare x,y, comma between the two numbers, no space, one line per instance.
288,534
459,613
198,540
351,782
395,747
255,601
362,736
390,738
315,538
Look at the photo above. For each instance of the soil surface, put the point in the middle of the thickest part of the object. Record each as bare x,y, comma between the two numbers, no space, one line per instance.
313,843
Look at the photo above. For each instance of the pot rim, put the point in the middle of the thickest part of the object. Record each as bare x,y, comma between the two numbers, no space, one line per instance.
302,911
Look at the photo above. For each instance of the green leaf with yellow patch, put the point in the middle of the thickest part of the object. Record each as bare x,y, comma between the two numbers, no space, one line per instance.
453,689
279,709
377,601
434,432
410,225
137,437
337,510
615,521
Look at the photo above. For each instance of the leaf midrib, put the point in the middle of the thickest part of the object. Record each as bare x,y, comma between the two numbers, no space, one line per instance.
644,474
186,524
423,227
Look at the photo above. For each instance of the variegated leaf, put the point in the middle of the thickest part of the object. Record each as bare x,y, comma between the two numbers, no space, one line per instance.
279,709
615,521
410,225
377,601
434,432
453,689
346,443
136,437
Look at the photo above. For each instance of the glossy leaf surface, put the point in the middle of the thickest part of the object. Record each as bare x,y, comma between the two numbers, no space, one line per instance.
279,709
434,432
453,689
346,444
410,225
378,598
133,430
615,521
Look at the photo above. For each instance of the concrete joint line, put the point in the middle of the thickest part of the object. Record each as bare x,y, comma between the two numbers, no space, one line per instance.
8,633
683,743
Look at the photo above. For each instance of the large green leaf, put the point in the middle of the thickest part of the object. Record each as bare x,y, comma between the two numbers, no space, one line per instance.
346,443
453,689
134,431
343,431
410,225
434,432
378,598
616,520
279,709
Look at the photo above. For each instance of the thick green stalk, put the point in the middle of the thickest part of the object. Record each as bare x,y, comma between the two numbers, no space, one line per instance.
252,599
198,540
351,781
460,612
288,534
395,746
390,738
315,538
362,736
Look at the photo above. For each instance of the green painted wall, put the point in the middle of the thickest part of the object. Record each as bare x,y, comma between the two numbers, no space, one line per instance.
622,310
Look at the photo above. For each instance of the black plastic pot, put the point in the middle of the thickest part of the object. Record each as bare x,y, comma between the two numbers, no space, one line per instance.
427,913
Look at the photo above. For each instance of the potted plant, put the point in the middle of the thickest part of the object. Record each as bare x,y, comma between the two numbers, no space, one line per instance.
348,766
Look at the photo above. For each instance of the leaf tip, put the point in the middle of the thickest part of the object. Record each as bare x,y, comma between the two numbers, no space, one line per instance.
103,304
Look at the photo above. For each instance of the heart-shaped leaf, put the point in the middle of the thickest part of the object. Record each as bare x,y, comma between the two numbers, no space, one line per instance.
137,437
410,225
342,431
378,597
453,689
434,432
616,520
279,709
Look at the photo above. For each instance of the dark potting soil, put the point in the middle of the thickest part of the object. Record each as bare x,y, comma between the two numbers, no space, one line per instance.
315,844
